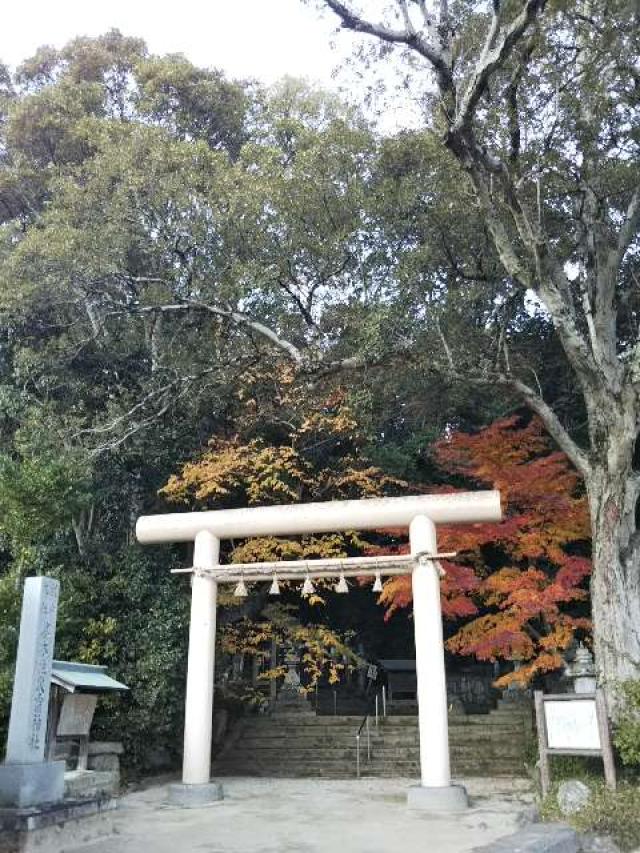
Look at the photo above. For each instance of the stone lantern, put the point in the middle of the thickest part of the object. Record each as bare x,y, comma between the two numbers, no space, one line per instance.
582,671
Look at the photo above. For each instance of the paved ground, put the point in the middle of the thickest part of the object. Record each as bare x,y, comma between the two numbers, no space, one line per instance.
310,816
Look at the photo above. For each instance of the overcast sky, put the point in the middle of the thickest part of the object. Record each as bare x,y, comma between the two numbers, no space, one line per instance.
248,38
262,39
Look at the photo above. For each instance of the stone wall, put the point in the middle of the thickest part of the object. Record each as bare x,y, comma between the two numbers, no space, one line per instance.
473,687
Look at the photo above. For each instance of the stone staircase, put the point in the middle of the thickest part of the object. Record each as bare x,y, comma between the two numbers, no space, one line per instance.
298,743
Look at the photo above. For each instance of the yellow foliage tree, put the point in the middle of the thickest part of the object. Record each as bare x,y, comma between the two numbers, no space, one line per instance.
315,451
323,652
286,448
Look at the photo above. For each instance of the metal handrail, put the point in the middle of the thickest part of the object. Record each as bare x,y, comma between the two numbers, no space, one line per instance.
366,725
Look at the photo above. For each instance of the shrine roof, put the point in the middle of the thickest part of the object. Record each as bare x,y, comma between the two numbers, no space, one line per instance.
83,677
399,664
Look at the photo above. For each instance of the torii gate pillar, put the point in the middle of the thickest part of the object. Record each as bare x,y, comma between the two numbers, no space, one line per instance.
197,789
420,513
436,791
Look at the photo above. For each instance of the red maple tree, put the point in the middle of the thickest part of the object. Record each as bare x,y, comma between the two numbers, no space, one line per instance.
516,585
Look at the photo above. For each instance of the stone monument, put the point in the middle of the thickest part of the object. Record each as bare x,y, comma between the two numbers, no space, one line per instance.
26,779
582,671
292,698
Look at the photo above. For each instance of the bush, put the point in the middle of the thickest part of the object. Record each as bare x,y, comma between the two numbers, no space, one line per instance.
612,813
10,601
142,641
627,735
586,768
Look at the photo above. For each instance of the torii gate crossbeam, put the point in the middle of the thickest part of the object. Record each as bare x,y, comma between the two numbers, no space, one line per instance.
419,514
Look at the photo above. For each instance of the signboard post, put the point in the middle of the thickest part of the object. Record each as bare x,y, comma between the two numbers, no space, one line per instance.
573,724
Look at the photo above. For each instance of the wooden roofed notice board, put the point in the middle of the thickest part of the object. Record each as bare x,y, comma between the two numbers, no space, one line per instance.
573,724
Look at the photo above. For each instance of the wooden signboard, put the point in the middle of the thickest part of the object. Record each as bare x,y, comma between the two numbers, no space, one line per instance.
74,722
76,715
573,724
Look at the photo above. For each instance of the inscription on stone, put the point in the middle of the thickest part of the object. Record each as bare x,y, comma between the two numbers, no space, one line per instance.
30,702
42,664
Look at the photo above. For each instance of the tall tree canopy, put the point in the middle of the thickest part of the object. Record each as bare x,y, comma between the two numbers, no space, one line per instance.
177,248
537,105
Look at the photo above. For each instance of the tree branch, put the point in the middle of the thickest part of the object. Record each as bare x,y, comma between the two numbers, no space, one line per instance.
532,398
413,39
528,395
406,17
493,58
545,275
632,374
551,421
629,230
236,317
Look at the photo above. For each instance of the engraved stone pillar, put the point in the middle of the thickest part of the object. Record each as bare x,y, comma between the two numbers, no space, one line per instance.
25,778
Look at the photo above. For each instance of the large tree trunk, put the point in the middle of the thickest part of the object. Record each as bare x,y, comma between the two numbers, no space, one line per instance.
527,233
614,488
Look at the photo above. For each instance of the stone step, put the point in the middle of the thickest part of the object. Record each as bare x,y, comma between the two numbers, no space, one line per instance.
268,773
478,740
496,729
472,744
348,771
460,721
318,728
300,746
305,721
300,751
291,745
413,772
347,754
322,735
301,758
481,749
410,738
264,753
376,762
456,734
295,718
346,768
476,744
502,731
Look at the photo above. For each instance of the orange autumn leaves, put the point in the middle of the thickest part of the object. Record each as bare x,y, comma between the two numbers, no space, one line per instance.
516,591
527,607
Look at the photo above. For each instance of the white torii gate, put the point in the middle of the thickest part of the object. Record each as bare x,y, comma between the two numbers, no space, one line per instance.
420,514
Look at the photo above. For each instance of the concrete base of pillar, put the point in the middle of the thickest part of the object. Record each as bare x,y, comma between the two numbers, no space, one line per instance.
452,798
24,785
195,796
58,826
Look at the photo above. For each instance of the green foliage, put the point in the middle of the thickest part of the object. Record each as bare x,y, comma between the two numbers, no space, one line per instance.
155,219
129,616
9,622
39,495
612,813
627,733
193,102
587,768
